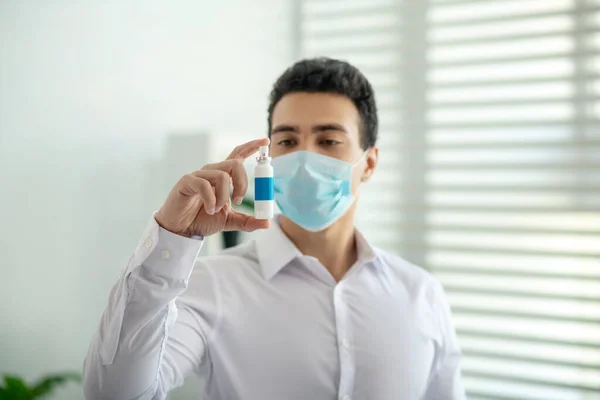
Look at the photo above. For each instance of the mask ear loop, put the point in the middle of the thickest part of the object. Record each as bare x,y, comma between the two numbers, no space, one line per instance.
360,159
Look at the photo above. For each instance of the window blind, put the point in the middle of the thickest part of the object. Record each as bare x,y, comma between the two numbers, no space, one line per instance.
489,173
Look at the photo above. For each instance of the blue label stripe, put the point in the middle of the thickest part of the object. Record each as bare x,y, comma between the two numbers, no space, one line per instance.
263,189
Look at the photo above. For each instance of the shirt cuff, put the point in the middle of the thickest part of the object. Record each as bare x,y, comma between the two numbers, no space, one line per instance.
165,253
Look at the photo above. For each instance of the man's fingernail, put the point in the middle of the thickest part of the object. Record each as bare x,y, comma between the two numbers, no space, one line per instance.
210,211
238,200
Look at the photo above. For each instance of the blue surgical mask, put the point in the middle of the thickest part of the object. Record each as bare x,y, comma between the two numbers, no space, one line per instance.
311,189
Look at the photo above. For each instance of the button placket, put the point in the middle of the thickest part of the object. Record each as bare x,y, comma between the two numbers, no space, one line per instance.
344,336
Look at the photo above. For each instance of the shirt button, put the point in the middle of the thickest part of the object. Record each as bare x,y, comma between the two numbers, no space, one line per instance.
148,243
346,343
165,254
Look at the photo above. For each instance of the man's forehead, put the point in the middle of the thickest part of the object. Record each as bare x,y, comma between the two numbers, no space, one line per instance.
314,109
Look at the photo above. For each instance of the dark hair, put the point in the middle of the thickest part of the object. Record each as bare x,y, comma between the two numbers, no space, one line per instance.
326,75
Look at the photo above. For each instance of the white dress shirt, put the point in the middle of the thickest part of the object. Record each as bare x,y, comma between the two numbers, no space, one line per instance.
263,322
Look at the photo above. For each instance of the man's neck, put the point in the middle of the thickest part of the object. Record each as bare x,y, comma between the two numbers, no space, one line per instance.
334,247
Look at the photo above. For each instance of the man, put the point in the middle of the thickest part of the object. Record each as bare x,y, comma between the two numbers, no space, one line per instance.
307,311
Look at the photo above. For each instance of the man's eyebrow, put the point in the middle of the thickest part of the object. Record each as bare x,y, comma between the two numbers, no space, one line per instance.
328,127
285,128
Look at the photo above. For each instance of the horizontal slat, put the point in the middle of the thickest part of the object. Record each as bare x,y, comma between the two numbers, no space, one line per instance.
501,335
538,178
558,111
578,267
583,205
509,71
362,21
521,358
549,374
496,60
507,285
332,5
478,395
505,44
502,30
476,38
509,230
511,273
547,134
366,61
530,351
511,101
452,2
375,40
492,19
586,222
548,242
509,124
530,316
506,9
572,166
510,81
572,187
555,309
547,383
575,332
522,93
522,251
505,389
516,156
569,145
373,9
348,33
508,49
349,50
473,289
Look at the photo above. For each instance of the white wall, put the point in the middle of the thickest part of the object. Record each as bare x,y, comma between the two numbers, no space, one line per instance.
89,91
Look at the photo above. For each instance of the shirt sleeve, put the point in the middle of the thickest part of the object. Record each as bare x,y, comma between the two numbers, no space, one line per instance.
147,341
445,381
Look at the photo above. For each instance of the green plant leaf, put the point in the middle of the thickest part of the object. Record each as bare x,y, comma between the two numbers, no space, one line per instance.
14,383
47,384
15,389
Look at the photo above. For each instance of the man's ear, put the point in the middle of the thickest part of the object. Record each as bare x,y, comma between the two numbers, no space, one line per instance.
371,159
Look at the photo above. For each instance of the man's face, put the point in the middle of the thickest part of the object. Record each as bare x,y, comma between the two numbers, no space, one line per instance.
324,123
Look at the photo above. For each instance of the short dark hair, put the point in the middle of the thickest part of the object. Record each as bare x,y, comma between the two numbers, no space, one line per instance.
326,75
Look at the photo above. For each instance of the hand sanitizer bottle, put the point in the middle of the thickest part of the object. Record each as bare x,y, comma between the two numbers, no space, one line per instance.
264,202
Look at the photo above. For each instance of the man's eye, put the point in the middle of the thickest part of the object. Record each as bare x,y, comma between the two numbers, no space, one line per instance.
330,142
286,142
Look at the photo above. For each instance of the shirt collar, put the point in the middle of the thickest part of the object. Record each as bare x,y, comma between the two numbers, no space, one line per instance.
275,250
366,253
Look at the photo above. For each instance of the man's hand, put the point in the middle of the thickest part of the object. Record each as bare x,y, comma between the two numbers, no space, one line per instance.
199,204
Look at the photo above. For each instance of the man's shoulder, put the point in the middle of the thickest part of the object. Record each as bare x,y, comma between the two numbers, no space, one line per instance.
409,273
417,281
236,259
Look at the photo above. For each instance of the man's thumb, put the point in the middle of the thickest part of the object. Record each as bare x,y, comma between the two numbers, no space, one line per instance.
237,221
